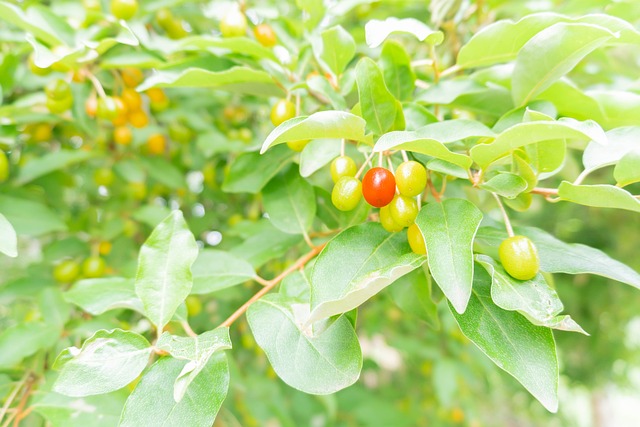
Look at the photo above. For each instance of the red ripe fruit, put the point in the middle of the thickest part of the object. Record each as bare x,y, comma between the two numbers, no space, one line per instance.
378,187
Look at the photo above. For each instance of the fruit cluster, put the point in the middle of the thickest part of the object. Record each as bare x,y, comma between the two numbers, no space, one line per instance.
69,270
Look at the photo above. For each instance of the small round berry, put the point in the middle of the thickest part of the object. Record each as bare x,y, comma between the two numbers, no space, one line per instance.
298,145
104,176
156,144
346,193
132,99
93,267
403,210
58,89
107,108
66,272
124,9
122,135
378,187
282,111
411,178
234,24
57,106
265,35
388,222
4,167
416,240
342,166
138,118
519,257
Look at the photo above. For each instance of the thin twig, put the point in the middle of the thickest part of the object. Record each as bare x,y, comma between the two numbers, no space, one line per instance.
582,176
507,223
187,328
96,84
545,191
13,394
260,280
451,70
272,283
422,63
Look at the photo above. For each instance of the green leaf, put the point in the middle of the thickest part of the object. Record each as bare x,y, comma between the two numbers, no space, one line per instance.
197,350
449,229
525,351
223,46
396,68
431,140
377,31
412,293
50,162
250,172
23,340
505,184
323,124
379,107
236,79
317,154
97,296
619,108
447,168
39,21
8,238
533,298
290,202
164,172
97,411
152,402
316,363
30,218
54,309
355,265
527,133
164,279
334,49
559,257
320,85
621,142
152,215
214,270
551,54
599,196
266,244
627,171
107,361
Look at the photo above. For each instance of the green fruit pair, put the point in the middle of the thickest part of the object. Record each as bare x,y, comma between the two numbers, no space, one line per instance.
59,96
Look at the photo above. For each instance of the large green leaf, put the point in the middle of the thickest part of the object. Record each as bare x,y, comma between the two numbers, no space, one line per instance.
471,95
627,171
323,124
97,411
412,293
396,68
379,107
39,21
317,363
317,154
40,166
197,350
107,361
23,340
221,45
96,296
250,172
29,217
599,196
152,402
164,277
237,79
357,264
377,31
527,133
533,298
214,270
290,202
506,184
560,257
334,49
526,351
431,140
8,238
448,229
265,244
551,54
619,107
622,140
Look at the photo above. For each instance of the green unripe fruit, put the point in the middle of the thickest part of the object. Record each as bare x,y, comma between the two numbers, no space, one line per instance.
411,178
387,221
37,70
416,240
519,257
403,210
282,111
4,167
180,133
342,166
66,272
124,9
107,108
234,24
246,135
57,106
58,89
346,193
298,145
104,176
194,305
93,267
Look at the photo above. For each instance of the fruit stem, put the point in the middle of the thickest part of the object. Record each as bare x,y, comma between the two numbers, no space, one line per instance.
187,328
342,147
272,283
364,165
96,84
380,159
297,104
404,155
507,222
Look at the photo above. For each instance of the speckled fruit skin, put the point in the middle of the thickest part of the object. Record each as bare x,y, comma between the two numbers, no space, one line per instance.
403,210
519,257
416,240
378,187
411,178
346,193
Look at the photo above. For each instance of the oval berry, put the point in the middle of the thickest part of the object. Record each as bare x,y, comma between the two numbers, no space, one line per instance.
342,166
67,271
519,257
265,35
378,187
403,210
411,178
234,24
282,111
346,193
298,145
387,221
93,267
416,240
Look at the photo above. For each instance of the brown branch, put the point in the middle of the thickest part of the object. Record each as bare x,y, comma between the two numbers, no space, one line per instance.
272,283
545,191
